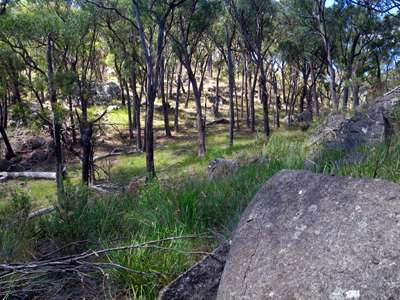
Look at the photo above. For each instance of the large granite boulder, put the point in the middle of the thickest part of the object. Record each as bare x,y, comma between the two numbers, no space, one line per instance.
309,236
370,125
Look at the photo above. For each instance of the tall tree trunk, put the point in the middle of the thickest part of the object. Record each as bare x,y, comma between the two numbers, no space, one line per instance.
201,138
120,83
277,102
164,103
177,99
264,99
71,120
137,106
314,94
217,97
188,94
231,79
346,89
129,102
56,119
252,96
356,96
246,92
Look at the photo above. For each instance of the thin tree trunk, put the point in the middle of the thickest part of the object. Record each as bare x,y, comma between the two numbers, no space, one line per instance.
177,99
252,96
217,98
201,138
137,106
129,102
10,152
71,120
264,99
188,94
231,79
56,120
164,103
314,94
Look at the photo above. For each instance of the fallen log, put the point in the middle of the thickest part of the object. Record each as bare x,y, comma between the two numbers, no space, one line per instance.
114,154
41,212
218,121
30,175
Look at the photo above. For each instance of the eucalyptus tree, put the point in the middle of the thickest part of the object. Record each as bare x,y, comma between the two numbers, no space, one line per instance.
192,21
300,48
152,23
357,28
255,19
32,37
223,34
5,58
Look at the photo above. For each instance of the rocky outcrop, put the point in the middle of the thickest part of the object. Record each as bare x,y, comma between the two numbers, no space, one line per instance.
106,92
309,236
201,281
220,168
303,120
372,124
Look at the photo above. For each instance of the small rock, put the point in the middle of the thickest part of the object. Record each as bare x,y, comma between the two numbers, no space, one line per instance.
135,184
39,156
35,143
220,167
4,165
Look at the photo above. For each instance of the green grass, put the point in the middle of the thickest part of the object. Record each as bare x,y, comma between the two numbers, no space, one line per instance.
380,161
180,206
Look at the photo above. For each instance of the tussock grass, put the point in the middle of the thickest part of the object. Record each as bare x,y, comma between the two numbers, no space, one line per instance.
168,207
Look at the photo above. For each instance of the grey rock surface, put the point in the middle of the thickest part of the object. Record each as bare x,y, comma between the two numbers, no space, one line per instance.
220,168
106,92
370,125
308,236
303,120
201,281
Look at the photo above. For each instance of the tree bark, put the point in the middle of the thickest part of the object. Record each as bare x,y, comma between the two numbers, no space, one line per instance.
177,99
56,119
10,152
231,79
264,99
164,102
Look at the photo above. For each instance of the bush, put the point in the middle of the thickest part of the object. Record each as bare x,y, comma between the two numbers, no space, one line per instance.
15,228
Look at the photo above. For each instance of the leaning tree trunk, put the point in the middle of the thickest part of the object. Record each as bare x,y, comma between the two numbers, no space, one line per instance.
201,138
10,152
